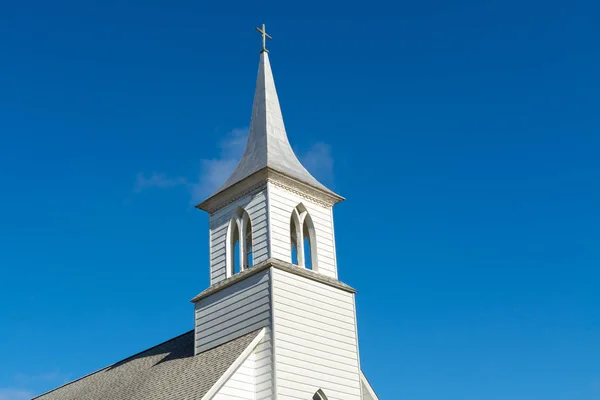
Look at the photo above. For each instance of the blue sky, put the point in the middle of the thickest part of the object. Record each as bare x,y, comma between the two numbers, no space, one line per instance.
465,136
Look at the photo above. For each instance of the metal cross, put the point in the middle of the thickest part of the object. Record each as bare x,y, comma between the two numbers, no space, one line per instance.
265,35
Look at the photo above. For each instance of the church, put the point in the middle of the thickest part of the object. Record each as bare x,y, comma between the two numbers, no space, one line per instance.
275,322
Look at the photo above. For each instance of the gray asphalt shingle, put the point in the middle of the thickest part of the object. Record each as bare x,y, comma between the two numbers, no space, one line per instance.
169,371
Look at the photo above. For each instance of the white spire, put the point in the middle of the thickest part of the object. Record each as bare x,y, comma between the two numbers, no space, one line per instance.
268,145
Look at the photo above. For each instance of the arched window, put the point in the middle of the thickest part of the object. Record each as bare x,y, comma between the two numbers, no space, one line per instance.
319,395
310,243
303,238
232,247
239,243
248,261
295,237
307,258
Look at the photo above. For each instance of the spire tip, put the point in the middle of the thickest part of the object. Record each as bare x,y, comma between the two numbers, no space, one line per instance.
265,35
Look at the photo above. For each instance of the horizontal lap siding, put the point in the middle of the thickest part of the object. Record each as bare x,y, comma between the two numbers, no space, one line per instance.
263,368
315,337
241,384
253,379
233,312
256,206
257,210
281,204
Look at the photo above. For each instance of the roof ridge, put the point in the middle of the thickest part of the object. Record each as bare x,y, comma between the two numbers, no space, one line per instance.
113,364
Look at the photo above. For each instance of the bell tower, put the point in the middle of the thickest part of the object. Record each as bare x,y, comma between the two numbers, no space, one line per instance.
270,206
273,266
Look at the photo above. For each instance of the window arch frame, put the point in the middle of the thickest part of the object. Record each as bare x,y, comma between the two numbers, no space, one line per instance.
241,224
319,395
247,239
301,227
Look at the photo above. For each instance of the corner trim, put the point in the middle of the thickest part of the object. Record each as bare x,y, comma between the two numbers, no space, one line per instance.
365,382
357,345
269,225
273,337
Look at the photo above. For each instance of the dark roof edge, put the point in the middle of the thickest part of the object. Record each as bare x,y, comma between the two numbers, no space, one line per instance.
273,263
115,363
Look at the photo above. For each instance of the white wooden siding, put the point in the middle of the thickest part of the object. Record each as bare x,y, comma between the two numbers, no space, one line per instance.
281,204
241,385
253,379
264,368
233,312
256,206
315,339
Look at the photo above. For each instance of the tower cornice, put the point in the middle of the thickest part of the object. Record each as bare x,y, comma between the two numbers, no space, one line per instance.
258,180
277,264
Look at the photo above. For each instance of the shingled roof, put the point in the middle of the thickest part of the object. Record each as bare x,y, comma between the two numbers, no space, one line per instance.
164,372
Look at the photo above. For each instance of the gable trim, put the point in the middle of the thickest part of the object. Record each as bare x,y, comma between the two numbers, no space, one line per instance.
365,382
234,366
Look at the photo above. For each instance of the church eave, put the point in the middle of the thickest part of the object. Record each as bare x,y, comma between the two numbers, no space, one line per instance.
258,180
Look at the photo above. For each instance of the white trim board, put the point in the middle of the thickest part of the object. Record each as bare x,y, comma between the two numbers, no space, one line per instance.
365,382
234,366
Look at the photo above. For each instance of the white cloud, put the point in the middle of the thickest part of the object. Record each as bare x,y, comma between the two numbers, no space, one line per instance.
15,394
51,376
24,385
156,180
319,162
215,171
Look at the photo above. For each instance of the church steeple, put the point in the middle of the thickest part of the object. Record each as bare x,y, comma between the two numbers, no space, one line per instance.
273,265
268,146
270,206
275,323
